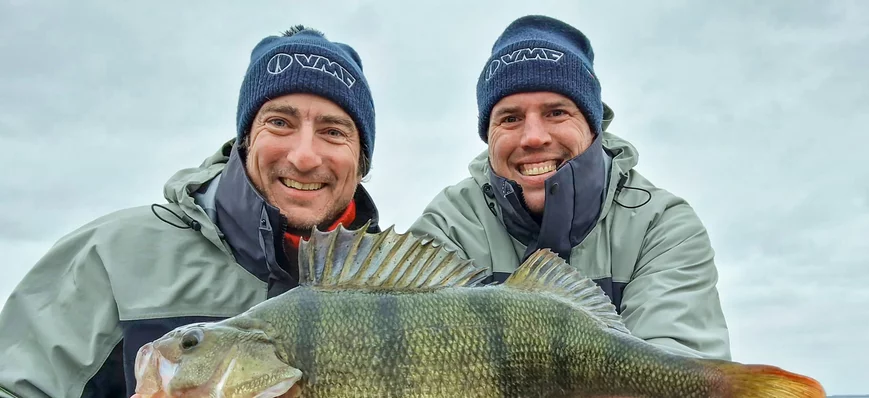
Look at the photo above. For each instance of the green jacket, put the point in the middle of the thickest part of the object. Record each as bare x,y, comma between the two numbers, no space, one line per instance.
655,261
73,325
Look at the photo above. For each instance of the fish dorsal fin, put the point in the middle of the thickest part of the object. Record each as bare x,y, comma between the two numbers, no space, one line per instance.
544,271
356,259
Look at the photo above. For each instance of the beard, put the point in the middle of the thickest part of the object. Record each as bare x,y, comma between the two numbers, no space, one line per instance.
301,223
304,228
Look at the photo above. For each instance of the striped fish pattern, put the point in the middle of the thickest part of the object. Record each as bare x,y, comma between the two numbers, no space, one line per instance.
393,315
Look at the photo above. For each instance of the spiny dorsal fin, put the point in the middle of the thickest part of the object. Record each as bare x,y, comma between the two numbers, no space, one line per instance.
356,259
544,271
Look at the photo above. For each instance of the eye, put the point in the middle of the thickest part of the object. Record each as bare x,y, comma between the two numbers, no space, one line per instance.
191,339
558,112
510,119
280,123
334,135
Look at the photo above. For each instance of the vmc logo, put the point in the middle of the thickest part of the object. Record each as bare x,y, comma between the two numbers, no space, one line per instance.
282,61
279,63
521,55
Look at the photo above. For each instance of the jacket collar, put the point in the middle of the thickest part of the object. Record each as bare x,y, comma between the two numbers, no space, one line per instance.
573,201
255,230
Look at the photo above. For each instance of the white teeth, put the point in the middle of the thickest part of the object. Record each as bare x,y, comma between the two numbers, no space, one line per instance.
539,170
300,186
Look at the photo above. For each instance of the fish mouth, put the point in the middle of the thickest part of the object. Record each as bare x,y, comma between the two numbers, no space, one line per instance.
154,374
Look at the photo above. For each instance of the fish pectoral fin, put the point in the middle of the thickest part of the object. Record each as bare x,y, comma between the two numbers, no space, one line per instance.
544,271
356,259
285,387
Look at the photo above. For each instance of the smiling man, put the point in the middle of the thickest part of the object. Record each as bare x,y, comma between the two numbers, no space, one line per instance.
226,240
303,153
553,177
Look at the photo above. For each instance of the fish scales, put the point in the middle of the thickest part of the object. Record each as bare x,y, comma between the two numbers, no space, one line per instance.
306,333
445,340
359,339
503,348
389,315
396,363
518,345
435,353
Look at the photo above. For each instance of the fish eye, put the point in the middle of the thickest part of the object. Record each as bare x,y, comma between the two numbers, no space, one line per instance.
191,339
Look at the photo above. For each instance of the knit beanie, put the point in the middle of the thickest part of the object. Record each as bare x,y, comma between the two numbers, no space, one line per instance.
539,53
304,61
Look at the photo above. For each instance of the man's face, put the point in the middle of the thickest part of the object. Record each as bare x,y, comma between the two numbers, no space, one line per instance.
303,156
531,135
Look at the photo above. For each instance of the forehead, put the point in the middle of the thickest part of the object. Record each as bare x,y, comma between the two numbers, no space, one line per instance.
525,101
304,104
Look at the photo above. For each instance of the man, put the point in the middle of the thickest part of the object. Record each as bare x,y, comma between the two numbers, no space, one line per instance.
552,177
226,240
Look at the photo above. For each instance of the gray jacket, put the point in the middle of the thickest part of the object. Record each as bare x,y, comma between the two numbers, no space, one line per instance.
646,247
73,325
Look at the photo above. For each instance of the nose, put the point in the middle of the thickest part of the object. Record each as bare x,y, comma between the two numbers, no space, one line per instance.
303,152
535,133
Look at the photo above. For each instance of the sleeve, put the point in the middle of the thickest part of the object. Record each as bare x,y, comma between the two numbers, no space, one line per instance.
60,325
451,225
672,300
435,226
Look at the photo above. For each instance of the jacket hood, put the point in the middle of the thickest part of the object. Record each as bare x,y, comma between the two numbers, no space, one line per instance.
179,189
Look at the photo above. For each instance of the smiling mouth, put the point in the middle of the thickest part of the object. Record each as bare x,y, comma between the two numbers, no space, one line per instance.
534,169
290,183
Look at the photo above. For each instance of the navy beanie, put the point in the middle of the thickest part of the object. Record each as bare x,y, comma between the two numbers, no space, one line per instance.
539,53
304,61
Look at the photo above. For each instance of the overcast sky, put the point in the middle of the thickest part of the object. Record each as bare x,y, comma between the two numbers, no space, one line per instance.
755,112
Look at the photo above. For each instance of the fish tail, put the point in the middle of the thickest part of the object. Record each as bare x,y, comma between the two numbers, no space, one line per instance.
757,381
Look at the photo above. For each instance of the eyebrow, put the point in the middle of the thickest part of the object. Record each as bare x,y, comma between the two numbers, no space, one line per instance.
506,111
339,120
283,109
293,112
557,104
546,107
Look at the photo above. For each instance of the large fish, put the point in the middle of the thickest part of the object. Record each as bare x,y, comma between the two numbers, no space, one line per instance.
392,315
